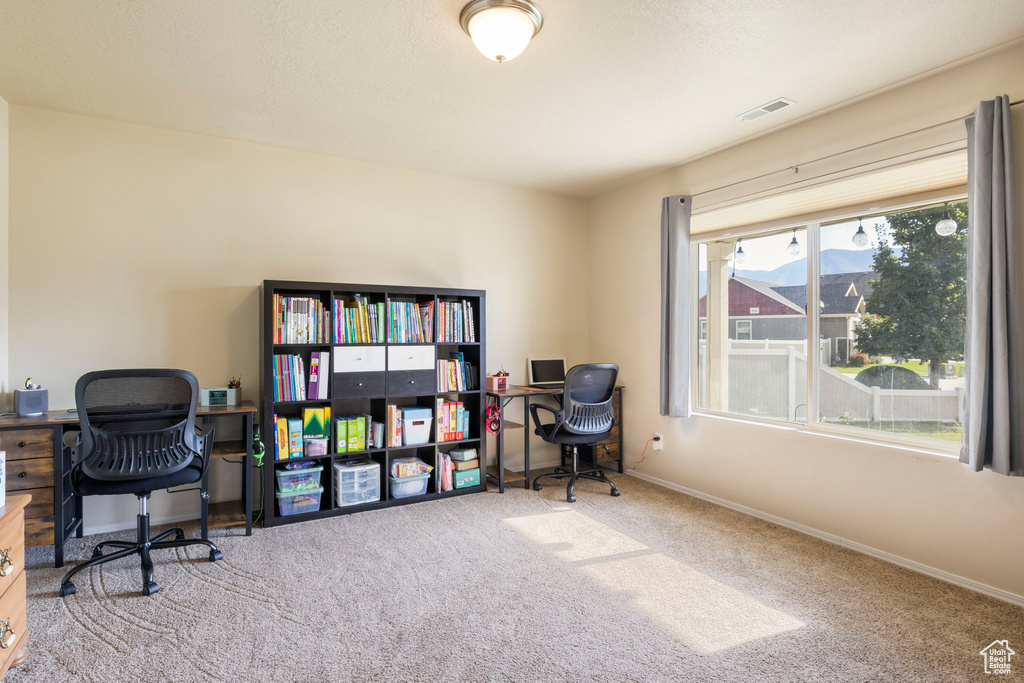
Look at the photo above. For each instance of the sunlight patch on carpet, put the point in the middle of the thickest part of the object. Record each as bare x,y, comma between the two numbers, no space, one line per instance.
704,614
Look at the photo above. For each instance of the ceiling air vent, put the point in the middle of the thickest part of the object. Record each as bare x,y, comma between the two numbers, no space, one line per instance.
765,109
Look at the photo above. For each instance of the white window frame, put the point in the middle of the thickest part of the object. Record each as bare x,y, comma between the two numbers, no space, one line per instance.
750,330
813,425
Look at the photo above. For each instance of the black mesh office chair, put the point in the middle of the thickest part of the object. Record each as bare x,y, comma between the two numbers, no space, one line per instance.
138,434
585,419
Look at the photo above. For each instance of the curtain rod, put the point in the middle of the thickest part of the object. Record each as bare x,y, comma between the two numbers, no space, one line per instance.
796,168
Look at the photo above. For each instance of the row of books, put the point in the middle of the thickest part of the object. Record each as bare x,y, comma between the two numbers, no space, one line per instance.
296,437
300,320
410,323
394,425
452,421
290,376
455,322
358,321
308,436
455,374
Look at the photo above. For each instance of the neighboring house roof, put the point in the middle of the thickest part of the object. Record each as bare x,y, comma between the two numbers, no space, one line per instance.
841,294
861,280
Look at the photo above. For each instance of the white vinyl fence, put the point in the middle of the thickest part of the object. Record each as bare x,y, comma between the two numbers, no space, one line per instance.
771,383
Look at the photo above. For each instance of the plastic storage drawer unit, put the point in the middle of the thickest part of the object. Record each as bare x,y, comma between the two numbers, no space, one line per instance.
416,423
296,480
297,503
467,478
409,486
356,482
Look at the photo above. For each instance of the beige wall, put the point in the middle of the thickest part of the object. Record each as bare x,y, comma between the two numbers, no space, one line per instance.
925,508
5,379
134,246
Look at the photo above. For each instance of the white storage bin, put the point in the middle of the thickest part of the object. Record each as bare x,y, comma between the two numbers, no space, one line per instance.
356,482
416,424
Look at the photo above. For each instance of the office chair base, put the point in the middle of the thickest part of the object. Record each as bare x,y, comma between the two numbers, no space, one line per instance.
142,547
574,475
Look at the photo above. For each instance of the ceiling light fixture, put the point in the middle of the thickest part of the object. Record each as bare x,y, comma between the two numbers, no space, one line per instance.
740,257
946,226
860,238
501,29
794,246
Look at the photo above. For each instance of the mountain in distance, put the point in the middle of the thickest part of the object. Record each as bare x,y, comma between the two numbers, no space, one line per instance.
832,261
795,273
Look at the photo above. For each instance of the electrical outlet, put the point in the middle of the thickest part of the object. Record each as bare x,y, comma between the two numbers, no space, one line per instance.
659,442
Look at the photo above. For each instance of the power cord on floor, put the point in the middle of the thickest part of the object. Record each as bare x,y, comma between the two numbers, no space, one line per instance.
643,455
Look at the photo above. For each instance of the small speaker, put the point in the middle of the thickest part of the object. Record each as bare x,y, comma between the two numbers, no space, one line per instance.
31,401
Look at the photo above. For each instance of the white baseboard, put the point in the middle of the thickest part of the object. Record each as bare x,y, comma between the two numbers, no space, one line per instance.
992,592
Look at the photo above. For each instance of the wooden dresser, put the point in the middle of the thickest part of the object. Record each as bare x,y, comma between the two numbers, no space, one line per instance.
13,625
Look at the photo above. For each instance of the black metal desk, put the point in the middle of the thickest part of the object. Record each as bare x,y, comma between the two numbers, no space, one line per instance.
613,446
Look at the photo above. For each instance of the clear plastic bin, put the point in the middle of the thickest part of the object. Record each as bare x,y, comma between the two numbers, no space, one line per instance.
297,503
355,483
295,481
409,486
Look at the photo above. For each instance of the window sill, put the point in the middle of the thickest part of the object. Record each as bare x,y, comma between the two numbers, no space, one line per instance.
887,440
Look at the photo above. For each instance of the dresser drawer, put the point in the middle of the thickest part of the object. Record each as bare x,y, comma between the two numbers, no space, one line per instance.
411,358
29,474
12,608
27,443
357,384
358,359
412,383
12,548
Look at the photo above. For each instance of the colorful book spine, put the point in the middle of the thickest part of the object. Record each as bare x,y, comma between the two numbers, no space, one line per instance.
294,437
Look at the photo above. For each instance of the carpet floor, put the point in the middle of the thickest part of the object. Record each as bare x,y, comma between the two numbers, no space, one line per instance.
651,586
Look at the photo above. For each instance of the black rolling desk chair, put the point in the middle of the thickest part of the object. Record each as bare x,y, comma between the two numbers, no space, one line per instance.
138,435
585,419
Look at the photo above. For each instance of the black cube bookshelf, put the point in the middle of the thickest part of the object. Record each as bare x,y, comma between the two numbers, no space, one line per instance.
370,393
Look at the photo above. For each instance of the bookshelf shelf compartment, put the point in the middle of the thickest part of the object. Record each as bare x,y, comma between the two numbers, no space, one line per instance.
414,301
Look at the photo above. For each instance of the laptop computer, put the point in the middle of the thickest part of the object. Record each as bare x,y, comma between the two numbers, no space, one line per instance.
546,373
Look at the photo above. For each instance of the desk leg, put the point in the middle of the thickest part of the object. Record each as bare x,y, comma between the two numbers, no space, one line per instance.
501,445
59,494
247,475
526,442
204,499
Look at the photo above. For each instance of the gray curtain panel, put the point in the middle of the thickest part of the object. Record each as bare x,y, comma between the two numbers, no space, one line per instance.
994,352
675,306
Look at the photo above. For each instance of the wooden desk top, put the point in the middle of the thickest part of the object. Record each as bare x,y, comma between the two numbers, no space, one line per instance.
515,390
59,417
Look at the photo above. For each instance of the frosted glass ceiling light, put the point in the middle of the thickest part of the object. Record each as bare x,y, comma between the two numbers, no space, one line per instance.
860,238
946,226
739,257
794,246
501,29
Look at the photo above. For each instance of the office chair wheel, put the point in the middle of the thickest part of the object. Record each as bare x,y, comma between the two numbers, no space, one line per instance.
571,498
216,555
150,588
67,589
615,493
537,487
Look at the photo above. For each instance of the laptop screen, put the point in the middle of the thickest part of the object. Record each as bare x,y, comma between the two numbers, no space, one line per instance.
548,370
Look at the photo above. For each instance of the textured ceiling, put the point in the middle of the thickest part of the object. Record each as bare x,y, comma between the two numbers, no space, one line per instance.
609,88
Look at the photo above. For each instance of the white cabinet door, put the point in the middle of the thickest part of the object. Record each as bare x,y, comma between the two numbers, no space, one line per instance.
358,359
411,358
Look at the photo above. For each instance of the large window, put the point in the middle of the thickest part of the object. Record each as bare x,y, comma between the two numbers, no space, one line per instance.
888,315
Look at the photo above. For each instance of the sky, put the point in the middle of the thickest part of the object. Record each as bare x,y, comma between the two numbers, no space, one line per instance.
770,252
